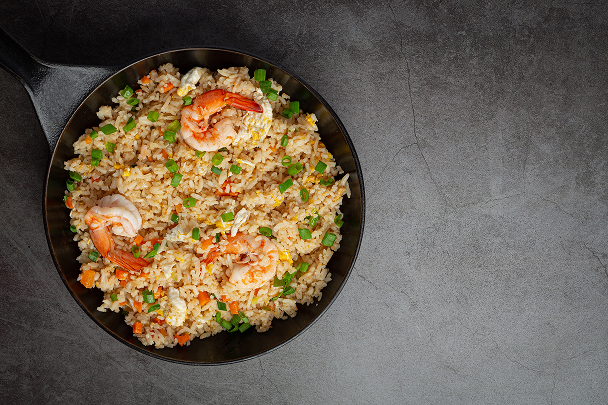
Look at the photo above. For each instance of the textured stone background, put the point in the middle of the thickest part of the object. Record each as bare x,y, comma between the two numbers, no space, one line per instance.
481,129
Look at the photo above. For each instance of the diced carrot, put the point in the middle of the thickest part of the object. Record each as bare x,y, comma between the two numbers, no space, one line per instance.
155,241
181,339
222,190
69,203
145,79
139,91
137,306
234,307
138,240
138,328
224,297
257,290
95,180
123,283
150,159
122,274
88,278
168,86
120,304
88,140
178,208
144,275
158,293
164,153
163,332
203,298
159,321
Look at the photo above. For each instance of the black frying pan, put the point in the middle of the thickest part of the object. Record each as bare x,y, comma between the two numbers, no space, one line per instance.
66,99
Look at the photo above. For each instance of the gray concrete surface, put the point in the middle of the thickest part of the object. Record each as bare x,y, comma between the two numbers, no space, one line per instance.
482,132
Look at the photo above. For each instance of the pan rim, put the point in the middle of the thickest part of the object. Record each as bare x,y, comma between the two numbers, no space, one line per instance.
285,341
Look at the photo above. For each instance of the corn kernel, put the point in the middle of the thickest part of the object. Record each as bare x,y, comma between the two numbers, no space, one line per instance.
126,172
118,166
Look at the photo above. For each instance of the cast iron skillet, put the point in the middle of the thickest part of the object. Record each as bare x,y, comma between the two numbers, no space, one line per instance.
58,90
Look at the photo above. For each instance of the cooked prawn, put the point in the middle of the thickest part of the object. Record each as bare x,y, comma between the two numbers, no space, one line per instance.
195,129
256,263
121,214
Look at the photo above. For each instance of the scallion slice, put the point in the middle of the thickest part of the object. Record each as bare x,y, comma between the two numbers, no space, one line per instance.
148,296
287,113
152,116
272,94
227,217
93,256
304,194
153,308
244,326
294,106
312,221
225,324
286,161
130,125
96,154
94,134
216,170
108,129
175,218
218,316
195,233
217,159
189,202
278,283
171,166
176,179
126,92
266,231
328,239
217,238
303,267
198,153
243,317
221,306
265,86
187,100
114,297
169,136
153,252
69,184
222,150
259,75
73,228
76,176
95,162
174,126
320,167
327,182
133,101
110,147
295,169
288,290
285,185
304,233
284,140
235,169
136,251
338,221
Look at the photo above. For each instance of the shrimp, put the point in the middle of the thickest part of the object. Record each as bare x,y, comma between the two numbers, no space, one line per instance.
256,263
195,129
121,214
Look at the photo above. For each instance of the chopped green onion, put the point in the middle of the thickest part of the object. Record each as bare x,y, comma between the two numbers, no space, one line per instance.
227,217
265,86
285,185
338,221
272,94
96,154
328,239
187,100
304,194
171,166
218,316
235,320
221,306
312,221
73,228
294,106
69,184
277,297
169,136
235,169
198,153
94,134
278,283
176,179
284,140
108,129
320,167
153,308
217,159
259,75
217,238
303,267
295,169
287,113
75,176
174,126
133,101
244,327
189,202
305,233
286,161
287,277
175,217
110,147
216,170
130,125
153,252
327,182
222,150
93,256
243,317
266,308
288,290
148,296
136,250
266,231
225,324
95,162
114,297
126,92
195,233
152,116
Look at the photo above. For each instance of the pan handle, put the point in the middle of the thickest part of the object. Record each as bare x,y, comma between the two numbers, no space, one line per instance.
56,90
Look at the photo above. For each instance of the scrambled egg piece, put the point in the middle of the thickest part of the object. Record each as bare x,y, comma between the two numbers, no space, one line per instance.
189,81
177,308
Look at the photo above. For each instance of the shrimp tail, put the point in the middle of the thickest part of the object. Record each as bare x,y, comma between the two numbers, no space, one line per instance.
126,260
242,102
